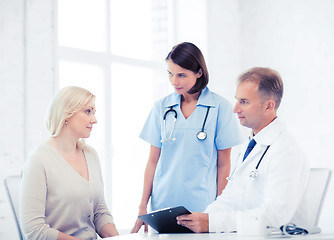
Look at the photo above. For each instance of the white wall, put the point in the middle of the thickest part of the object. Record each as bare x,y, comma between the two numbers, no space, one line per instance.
11,92
26,87
188,20
224,46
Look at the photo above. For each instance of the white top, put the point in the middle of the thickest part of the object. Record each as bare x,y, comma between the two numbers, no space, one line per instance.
276,192
54,197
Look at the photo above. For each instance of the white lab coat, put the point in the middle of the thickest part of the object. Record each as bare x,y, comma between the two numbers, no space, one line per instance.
276,192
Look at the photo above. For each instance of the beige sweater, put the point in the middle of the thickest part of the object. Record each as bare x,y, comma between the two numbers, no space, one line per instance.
54,197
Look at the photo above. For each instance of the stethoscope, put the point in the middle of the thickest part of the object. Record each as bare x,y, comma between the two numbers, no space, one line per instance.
253,174
201,135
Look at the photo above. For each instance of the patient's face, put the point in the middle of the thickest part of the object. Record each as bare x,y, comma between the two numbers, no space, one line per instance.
81,123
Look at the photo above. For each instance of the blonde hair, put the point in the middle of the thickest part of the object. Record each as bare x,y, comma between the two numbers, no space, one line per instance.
67,102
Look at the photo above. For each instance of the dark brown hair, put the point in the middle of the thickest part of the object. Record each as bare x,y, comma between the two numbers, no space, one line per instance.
269,80
188,56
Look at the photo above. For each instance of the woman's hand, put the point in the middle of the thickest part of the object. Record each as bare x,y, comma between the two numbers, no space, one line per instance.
139,222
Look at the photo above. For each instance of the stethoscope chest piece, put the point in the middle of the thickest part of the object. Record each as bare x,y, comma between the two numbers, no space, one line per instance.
253,174
201,135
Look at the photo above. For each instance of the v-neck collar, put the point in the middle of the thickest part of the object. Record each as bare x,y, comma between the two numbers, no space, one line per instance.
65,163
205,99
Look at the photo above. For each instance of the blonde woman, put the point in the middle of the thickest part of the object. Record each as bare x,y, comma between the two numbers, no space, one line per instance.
62,190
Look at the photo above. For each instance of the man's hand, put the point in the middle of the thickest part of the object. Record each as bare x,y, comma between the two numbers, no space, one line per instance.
197,222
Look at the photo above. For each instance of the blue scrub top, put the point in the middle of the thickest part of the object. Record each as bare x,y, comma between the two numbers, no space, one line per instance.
186,173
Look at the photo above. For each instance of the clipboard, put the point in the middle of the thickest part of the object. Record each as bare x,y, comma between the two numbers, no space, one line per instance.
164,220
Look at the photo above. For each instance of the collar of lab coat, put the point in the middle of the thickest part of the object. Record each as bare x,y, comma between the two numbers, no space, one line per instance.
205,99
268,134
263,138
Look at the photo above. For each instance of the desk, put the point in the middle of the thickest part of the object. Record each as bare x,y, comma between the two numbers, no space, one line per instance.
216,236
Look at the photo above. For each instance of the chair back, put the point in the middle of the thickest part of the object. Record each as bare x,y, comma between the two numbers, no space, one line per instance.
12,186
315,194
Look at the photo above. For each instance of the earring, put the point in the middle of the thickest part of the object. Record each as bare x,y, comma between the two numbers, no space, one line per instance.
65,122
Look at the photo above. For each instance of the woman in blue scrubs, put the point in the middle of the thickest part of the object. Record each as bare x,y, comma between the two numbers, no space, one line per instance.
191,133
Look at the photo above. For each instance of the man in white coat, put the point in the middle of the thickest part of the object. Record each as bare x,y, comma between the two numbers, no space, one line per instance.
272,176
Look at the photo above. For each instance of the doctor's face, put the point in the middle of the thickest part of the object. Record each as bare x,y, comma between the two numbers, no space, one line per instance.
250,107
182,79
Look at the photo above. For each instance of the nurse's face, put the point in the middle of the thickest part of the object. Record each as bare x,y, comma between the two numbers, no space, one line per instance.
182,79
250,107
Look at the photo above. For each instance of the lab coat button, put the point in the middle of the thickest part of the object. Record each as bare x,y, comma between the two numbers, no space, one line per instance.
86,228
